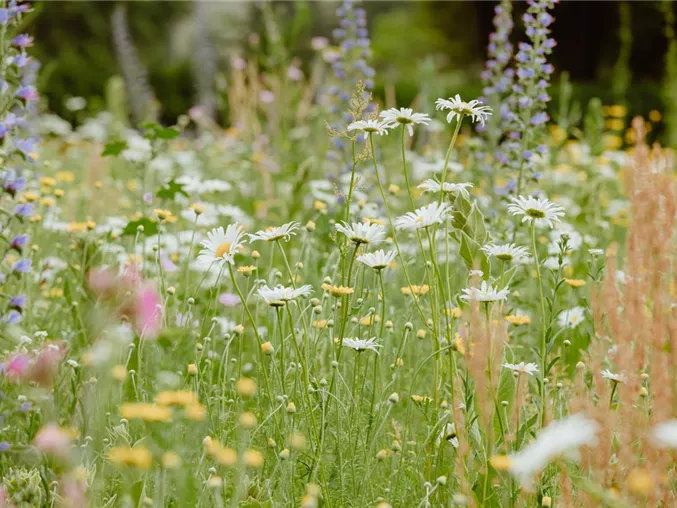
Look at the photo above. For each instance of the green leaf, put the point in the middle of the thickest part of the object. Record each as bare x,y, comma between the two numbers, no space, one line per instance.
114,148
171,189
167,133
474,226
149,227
473,255
157,131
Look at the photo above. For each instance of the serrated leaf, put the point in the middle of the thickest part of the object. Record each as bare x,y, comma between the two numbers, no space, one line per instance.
114,148
171,189
149,227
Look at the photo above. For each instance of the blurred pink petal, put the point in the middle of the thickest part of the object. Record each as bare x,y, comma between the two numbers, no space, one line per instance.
53,440
167,264
147,313
17,366
229,299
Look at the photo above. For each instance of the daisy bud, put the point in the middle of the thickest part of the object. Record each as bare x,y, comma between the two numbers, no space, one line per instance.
389,325
396,446
420,334
207,442
297,441
140,228
191,301
238,330
334,364
171,290
284,454
119,372
643,392
546,501
580,366
291,408
409,326
441,480
267,348
256,254
327,280
317,310
215,482
382,454
644,376
271,443
393,189
198,208
394,398
310,226
567,343
192,369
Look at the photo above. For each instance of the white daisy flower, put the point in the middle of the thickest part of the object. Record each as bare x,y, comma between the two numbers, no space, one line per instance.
485,293
611,376
571,318
423,217
596,252
405,116
431,185
370,127
360,345
522,368
536,209
507,252
448,434
457,108
561,437
362,232
220,246
286,231
280,295
377,260
664,435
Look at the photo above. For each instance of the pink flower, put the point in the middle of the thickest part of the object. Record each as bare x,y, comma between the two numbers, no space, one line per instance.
167,264
102,282
53,440
147,313
17,366
73,493
229,299
46,363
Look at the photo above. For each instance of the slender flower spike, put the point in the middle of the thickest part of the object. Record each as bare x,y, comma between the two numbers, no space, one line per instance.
458,108
370,127
280,295
522,368
271,234
360,345
220,246
377,260
507,252
485,293
431,185
426,216
560,437
362,232
536,209
405,116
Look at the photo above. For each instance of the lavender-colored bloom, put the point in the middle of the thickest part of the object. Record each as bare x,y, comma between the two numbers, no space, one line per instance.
12,317
27,92
23,210
17,303
4,445
22,266
22,41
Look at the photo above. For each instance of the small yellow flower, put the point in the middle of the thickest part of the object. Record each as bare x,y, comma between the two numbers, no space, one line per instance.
338,291
59,193
518,319
77,227
500,462
370,320
373,221
297,441
163,215
47,181
146,412
29,197
415,290
246,387
267,348
65,176
178,398
221,454
640,482
171,460
197,208
320,323
119,372
47,202
319,205
138,457
247,420
618,111
455,312
575,283
393,189
459,344
246,270
192,369
310,226
253,458
655,115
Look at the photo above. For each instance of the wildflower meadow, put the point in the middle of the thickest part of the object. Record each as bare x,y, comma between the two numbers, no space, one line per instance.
332,298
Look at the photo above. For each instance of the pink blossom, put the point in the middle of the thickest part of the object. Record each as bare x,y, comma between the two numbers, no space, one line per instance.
17,366
229,299
53,440
102,282
47,362
147,313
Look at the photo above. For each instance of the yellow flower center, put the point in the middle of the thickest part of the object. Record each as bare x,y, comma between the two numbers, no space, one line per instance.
223,249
